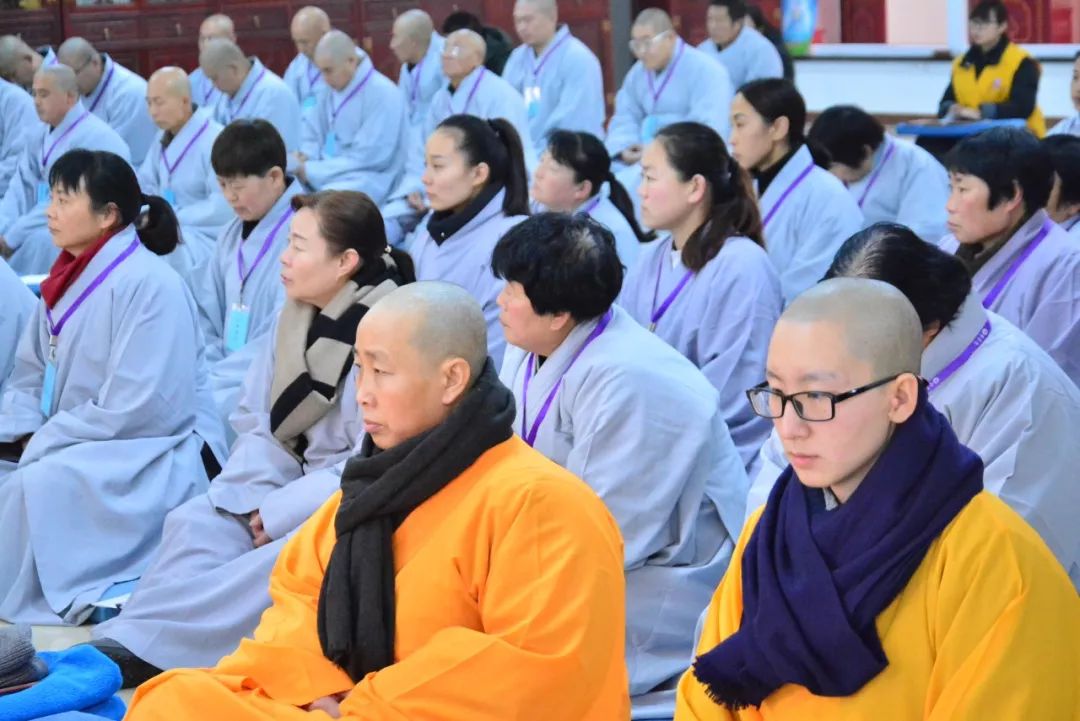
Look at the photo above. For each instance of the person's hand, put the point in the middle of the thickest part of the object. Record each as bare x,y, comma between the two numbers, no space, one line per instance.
5,251
416,201
964,113
258,533
632,154
330,705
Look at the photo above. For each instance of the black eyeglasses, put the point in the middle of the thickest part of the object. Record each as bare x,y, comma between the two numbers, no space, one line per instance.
813,406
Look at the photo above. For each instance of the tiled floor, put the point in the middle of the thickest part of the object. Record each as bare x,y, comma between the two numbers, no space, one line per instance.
57,638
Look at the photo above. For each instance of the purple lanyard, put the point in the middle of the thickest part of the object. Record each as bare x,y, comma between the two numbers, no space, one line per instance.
245,274
55,328
588,209
1000,286
656,94
104,86
249,92
468,100
961,359
311,79
172,168
536,68
877,173
209,91
415,77
334,111
1069,224
46,155
786,193
530,362
658,313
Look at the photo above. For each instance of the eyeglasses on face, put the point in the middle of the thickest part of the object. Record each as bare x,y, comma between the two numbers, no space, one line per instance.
812,406
640,46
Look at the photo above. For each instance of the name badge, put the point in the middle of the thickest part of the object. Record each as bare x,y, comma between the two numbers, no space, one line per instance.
309,103
48,388
649,128
170,196
42,193
330,147
532,101
236,327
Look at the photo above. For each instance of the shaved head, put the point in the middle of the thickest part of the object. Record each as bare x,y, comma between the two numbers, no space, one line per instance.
219,54
75,52
471,50
170,81
216,27
61,77
415,25
311,17
655,19
547,7
11,50
335,47
443,321
878,322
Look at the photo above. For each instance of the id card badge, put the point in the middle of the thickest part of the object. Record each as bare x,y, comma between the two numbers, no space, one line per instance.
170,196
48,388
42,193
532,101
649,129
236,328
330,147
308,104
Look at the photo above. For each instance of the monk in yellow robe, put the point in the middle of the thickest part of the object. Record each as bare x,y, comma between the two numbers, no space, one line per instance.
879,581
457,575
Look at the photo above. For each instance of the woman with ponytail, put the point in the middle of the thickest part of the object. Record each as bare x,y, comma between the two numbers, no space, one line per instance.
98,419
570,179
476,185
707,286
807,213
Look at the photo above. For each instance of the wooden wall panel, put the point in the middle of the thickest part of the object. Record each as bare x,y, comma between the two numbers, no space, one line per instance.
1029,20
862,21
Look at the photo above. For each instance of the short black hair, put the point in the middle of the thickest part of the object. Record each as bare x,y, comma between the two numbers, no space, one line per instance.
990,11
461,20
846,131
936,282
566,263
1064,154
1004,159
736,8
248,147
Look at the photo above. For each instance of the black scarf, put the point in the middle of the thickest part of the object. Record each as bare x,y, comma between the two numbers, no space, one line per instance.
444,223
379,490
766,177
815,581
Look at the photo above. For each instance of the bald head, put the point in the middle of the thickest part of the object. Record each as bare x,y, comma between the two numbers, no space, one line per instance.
12,50
464,52
169,81
168,98
549,8
308,27
335,48
216,27
655,19
55,93
414,24
75,51
443,322
61,78
878,323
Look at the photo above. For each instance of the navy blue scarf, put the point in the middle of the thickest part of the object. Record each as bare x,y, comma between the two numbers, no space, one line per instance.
815,581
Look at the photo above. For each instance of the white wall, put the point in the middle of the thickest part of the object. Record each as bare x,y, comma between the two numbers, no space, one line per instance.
908,86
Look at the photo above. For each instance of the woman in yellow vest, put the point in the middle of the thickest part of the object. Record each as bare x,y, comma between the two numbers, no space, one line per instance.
995,79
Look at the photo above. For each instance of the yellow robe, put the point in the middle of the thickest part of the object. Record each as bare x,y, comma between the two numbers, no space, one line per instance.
510,605
994,84
988,627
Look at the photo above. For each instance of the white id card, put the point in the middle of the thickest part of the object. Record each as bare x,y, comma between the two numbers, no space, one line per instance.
236,328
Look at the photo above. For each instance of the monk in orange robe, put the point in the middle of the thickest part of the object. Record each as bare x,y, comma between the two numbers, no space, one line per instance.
458,574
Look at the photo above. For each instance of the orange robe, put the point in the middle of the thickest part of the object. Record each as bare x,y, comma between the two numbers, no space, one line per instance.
510,605
988,627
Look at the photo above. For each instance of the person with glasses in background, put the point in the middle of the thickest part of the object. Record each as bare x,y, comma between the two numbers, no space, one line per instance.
671,82
879,580
995,78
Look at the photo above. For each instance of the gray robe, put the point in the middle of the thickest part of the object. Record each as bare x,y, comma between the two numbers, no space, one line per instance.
419,84
17,119
263,96
751,56
1043,297
642,427
218,290
1012,405
18,304
120,100
182,173
722,321
22,209
84,508
207,587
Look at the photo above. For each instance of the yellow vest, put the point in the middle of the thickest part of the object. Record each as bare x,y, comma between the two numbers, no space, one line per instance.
994,84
